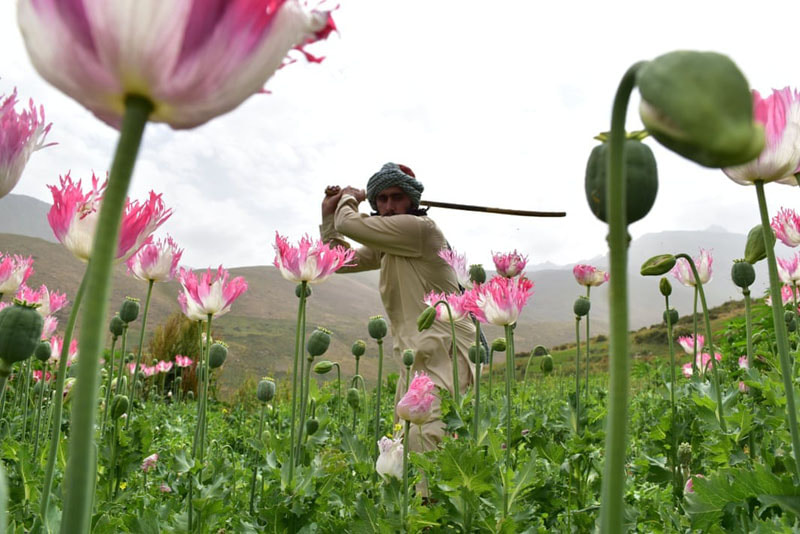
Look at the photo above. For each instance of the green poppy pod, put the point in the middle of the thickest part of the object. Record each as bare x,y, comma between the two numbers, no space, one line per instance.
658,265
265,391
377,327
353,398
672,313
119,406
547,364
43,351
499,345
665,286
791,326
788,316
359,348
129,311
476,352
299,288
408,357
755,249
426,318
477,274
581,307
324,367
20,331
743,274
641,179
116,326
217,354
312,425
318,342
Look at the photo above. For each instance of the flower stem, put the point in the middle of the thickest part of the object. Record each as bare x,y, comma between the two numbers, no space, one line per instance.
58,401
42,393
509,381
303,404
255,467
748,321
404,509
694,323
298,340
780,327
108,383
586,382
613,481
577,375
139,352
674,452
378,396
81,471
476,416
709,342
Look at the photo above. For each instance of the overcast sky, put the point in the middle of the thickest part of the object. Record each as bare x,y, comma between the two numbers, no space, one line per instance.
490,103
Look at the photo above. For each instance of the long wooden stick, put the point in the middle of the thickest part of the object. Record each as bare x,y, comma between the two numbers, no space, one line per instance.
484,209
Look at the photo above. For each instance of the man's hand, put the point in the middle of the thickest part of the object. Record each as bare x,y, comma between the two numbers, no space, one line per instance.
359,194
333,193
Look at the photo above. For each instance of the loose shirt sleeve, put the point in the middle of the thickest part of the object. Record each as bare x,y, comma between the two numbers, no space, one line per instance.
400,235
366,258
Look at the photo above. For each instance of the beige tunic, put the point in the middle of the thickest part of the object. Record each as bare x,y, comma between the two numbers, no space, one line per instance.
406,250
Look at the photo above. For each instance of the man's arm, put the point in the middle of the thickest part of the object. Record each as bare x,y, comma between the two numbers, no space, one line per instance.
366,259
400,235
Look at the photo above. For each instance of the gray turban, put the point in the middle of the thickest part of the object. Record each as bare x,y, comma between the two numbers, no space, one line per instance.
392,175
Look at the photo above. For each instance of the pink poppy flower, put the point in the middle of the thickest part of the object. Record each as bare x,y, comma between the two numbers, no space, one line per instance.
48,302
149,462
149,370
458,305
14,271
509,265
56,344
310,261
210,293
687,343
683,272
156,261
163,366
779,113
74,215
390,459
459,264
588,275
499,301
743,388
50,326
743,363
183,361
689,487
703,363
786,225
416,405
164,488
787,295
37,376
193,59
789,269
21,134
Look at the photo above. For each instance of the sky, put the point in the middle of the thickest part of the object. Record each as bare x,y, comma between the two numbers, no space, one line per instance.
492,103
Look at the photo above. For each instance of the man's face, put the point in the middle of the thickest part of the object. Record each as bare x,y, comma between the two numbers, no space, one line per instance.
393,201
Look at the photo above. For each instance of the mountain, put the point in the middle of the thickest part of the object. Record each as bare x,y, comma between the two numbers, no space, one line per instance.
24,215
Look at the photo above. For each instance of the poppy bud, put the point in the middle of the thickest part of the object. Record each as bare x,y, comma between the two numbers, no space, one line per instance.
299,288
43,351
426,318
665,287
581,306
408,357
377,327
547,364
743,274
672,313
699,105
359,348
499,345
217,354
323,367
318,342
658,265
476,352
266,390
312,425
20,332
119,406
129,310
685,454
788,316
353,398
477,274
791,326
116,326
755,249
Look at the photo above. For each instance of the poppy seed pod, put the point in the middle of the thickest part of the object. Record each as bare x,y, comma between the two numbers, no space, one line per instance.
43,351
353,398
658,265
581,307
426,318
217,354
190,395
299,288
377,327
312,425
788,316
116,326
129,310
743,274
265,391
547,364
685,454
699,105
672,313
499,345
665,287
119,406
755,249
477,274
20,331
318,342
123,384
408,357
324,367
359,348
474,353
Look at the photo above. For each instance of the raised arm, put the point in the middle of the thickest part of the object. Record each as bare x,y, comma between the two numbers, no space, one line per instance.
401,235
366,258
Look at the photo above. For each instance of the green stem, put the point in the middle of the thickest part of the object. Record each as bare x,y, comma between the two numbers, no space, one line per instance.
780,327
58,401
577,375
255,467
120,373
709,341
81,472
39,412
302,397
491,371
694,322
199,436
139,352
794,311
476,416
298,340
303,405
206,383
586,382
456,388
748,326
108,384
404,509
674,452
338,391
377,432
509,381
613,482
26,395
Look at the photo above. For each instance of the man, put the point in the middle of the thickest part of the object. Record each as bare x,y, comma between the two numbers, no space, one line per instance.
404,243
